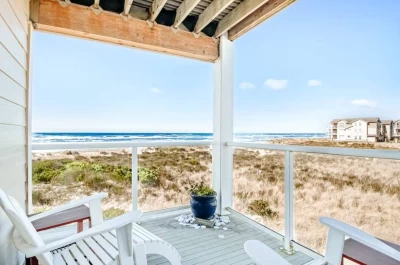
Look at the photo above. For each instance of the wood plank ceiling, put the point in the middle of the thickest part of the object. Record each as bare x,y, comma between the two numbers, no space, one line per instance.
201,18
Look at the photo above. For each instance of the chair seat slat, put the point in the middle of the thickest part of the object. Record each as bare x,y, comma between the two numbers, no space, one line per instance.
58,259
106,246
68,257
78,255
105,258
89,253
110,238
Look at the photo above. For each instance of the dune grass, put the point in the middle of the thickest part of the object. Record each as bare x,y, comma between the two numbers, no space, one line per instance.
363,192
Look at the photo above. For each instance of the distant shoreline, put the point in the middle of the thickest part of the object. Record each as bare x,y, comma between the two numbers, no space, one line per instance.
165,137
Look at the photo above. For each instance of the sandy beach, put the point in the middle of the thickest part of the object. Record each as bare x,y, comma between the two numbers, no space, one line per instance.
360,191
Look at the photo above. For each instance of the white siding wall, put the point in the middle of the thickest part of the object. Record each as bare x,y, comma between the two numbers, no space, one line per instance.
358,129
13,87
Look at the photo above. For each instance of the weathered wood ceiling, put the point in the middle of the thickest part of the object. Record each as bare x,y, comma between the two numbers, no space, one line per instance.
189,28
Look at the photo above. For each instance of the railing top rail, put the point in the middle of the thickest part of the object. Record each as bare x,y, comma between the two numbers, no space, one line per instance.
370,153
106,145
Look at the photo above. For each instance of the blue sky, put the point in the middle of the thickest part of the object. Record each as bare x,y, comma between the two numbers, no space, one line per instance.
315,61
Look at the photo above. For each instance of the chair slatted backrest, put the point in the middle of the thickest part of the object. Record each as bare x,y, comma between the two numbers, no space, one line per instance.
22,224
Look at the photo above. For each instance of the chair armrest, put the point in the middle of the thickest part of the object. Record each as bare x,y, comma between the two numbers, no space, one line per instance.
112,224
69,205
360,236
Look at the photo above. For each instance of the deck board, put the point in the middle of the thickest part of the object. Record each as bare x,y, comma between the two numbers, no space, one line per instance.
204,247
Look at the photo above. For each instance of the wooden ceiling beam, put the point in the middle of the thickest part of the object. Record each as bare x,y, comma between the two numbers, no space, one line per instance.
211,12
261,14
238,14
156,8
80,21
183,11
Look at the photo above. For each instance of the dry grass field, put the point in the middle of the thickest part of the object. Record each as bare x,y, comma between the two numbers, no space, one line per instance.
363,192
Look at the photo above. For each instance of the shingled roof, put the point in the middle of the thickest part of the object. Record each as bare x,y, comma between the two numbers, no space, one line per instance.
386,122
350,120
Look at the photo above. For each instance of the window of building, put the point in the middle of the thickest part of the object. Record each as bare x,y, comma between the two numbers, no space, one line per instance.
355,137
359,130
359,137
359,124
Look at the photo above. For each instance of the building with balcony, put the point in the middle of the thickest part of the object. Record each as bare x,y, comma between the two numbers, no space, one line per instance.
356,129
387,130
396,130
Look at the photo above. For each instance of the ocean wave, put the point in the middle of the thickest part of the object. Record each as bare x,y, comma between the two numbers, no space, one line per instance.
167,137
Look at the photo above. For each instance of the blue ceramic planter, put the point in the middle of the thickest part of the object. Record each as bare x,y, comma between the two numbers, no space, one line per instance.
203,206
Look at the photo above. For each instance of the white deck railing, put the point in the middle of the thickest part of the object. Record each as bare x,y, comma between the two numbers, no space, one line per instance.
118,145
288,236
289,175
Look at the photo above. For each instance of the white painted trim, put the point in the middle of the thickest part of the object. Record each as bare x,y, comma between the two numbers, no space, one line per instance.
222,157
99,145
370,153
28,128
135,183
289,201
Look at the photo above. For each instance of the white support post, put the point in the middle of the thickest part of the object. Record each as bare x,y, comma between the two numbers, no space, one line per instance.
134,178
289,200
222,156
28,129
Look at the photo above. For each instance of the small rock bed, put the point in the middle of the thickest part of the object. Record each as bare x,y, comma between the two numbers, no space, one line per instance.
191,221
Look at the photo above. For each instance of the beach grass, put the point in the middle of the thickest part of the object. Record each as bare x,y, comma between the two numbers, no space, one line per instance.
363,192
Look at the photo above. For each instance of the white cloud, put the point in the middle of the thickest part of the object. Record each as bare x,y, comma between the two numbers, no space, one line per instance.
314,83
246,85
364,103
155,90
276,84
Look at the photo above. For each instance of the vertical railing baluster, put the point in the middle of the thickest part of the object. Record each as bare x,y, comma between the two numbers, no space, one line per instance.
135,178
289,201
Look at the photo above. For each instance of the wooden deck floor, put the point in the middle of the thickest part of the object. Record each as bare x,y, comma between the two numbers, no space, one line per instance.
205,247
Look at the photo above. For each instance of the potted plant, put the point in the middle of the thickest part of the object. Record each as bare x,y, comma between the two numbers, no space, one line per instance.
203,200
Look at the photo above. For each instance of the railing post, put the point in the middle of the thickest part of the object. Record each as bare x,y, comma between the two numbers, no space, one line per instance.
134,178
222,158
289,202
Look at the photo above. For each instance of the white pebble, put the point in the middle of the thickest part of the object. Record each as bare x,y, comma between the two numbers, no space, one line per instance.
225,228
221,236
203,226
216,227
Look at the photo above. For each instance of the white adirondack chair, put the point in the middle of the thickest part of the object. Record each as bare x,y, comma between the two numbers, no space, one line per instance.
263,255
118,241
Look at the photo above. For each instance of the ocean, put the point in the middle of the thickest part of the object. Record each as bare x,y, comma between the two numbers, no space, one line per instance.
165,137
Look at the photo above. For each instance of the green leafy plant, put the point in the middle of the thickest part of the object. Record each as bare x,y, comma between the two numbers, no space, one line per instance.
200,189
147,176
122,173
45,171
112,213
262,208
78,164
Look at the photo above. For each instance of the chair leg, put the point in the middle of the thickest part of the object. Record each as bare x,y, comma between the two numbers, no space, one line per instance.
33,261
80,226
139,253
